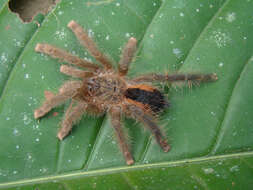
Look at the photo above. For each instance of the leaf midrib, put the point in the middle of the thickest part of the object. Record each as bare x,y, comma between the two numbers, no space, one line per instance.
106,171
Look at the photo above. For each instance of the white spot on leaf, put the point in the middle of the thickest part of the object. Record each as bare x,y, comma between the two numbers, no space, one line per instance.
17,43
221,64
16,132
127,35
60,12
208,170
60,34
3,58
230,17
234,168
26,76
26,119
177,52
220,38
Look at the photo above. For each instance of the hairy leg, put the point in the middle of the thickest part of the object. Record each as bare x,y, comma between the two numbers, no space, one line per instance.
77,73
138,114
71,86
64,56
87,42
66,92
152,77
72,116
115,114
48,95
127,56
50,103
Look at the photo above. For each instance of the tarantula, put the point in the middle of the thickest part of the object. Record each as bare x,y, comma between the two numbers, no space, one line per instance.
105,89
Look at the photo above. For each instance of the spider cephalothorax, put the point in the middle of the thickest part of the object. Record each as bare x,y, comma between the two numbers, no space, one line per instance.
106,89
102,89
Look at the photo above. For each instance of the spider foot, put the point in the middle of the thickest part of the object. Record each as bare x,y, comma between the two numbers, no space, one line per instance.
129,158
61,134
39,113
164,145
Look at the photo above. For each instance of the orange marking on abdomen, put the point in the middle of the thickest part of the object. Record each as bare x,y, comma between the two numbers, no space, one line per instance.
140,105
142,87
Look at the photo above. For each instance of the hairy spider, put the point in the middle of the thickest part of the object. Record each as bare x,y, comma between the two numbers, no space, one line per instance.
103,89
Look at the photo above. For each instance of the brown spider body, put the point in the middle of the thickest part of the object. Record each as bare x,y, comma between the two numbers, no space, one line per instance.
106,90
110,89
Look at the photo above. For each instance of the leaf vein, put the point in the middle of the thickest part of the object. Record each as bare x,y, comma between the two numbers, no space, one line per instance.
125,168
221,131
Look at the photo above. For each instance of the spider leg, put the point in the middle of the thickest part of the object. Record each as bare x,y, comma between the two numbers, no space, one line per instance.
72,115
115,114
87,42
138,114
66,92
64,56
152,77
48,95
127,56
77,73
70,86
50,104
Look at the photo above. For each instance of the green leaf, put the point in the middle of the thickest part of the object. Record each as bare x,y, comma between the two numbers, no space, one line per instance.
209,127
14,37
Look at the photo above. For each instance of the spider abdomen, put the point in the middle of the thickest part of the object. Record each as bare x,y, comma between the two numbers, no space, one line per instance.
148,96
